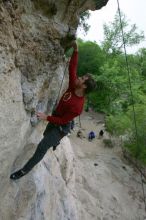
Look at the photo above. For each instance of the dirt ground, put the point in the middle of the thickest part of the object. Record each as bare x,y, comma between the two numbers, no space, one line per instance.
108,187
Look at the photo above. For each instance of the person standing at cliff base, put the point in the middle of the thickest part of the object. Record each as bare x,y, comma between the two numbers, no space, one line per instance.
91,135
70,106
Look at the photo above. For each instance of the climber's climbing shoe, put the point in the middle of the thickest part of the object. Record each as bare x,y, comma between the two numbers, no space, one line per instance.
18,174
54,148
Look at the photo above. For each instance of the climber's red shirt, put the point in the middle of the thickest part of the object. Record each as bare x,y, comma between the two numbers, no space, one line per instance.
70,105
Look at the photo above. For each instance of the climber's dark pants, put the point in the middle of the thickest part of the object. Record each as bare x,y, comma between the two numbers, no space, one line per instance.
52,136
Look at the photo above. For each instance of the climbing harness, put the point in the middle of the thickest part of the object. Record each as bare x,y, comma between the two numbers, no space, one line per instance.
133,106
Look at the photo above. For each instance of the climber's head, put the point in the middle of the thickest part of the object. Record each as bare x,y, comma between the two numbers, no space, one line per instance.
86,82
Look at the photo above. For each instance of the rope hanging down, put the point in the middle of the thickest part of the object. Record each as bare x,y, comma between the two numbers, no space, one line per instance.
60,87
130,86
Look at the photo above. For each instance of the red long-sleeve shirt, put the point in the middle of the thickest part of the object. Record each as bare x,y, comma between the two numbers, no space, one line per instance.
70,105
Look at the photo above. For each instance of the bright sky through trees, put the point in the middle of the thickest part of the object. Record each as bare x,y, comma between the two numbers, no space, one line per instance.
134,11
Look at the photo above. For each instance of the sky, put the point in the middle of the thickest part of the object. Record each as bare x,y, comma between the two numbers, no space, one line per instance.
135,11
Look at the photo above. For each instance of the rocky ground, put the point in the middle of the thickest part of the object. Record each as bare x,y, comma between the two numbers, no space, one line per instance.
81,180
107,186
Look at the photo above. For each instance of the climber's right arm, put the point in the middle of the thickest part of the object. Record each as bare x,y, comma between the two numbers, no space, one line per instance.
73,65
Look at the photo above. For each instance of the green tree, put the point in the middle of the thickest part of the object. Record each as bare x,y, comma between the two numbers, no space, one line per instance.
90,58
113,41
115,94
141,61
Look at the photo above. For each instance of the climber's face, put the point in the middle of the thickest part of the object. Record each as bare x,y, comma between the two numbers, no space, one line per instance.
80,82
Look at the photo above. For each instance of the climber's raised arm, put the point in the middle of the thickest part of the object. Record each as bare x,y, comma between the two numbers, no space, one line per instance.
73,65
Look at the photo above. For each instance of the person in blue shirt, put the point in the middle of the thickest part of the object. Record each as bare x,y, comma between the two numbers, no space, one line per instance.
91,135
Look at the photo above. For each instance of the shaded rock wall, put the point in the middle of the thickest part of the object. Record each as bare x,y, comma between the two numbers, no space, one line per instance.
33,37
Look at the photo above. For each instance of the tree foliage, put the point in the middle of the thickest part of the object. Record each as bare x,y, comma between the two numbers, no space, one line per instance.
90,58
113,41
120,94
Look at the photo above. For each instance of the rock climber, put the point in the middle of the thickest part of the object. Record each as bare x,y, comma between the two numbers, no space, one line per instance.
69,107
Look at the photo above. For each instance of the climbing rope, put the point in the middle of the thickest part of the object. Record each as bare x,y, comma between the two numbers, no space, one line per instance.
130,86
80,125
60,87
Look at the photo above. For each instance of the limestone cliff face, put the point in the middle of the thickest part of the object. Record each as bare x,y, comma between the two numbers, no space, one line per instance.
33,37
